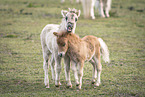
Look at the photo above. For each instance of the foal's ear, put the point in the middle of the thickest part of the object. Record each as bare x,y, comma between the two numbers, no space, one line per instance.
64,12
56,34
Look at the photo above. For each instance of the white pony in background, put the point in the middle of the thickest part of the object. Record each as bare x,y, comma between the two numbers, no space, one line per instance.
88,7
49,45
77,1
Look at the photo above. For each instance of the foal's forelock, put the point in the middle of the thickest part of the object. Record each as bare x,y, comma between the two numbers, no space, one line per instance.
62,45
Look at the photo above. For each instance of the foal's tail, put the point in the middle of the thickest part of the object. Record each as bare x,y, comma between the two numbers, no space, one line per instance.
104,50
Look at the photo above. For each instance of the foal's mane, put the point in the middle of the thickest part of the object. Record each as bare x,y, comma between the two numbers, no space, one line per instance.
68,35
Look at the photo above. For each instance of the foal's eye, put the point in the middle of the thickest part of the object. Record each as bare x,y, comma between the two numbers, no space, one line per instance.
63,44
66,18
76,19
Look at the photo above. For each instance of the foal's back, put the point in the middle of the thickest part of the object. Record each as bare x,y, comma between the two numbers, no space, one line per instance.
93,45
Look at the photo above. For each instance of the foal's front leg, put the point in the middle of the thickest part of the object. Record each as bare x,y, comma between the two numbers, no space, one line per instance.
67,70
74,68
80,73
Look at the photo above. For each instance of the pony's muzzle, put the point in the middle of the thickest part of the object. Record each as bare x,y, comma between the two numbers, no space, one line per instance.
69,27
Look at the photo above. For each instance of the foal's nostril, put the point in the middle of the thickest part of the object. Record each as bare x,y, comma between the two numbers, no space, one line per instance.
60,55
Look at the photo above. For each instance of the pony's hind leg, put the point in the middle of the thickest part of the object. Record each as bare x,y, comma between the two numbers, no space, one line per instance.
94,70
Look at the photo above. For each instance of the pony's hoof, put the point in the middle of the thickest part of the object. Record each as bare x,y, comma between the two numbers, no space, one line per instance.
79,87
47,87
93,18
56,85
77,83
103,16
59,83
97,84
93,82
107,16
69,86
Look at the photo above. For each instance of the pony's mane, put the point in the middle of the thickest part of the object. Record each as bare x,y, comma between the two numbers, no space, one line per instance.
62,25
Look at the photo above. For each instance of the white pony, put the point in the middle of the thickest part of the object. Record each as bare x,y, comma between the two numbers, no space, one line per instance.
49,45
77,1
88,7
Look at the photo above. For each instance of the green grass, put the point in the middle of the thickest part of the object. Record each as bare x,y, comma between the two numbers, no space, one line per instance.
21,62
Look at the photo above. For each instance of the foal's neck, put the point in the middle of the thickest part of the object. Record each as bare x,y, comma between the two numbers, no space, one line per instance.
74,39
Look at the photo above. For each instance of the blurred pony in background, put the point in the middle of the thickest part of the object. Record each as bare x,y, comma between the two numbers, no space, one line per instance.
77,1
88,7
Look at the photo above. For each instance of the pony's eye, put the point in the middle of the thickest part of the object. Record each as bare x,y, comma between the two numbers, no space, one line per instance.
66,18
76,19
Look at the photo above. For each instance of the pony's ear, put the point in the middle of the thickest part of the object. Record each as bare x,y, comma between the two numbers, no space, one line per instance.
64,12
56,34
69,9
78,13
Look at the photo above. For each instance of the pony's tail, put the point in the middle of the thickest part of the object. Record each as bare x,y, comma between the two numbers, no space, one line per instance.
104,50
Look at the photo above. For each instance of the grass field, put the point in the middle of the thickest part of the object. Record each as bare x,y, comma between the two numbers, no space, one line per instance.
21,62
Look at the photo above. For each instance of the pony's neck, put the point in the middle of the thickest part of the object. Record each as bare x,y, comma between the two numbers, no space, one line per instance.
74,28
62,25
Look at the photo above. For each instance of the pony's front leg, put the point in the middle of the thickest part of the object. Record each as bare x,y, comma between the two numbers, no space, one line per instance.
52,67
77,1
45,67
58,70
108,7
92,9
101,9
67,70
62,1
80,73
46,54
